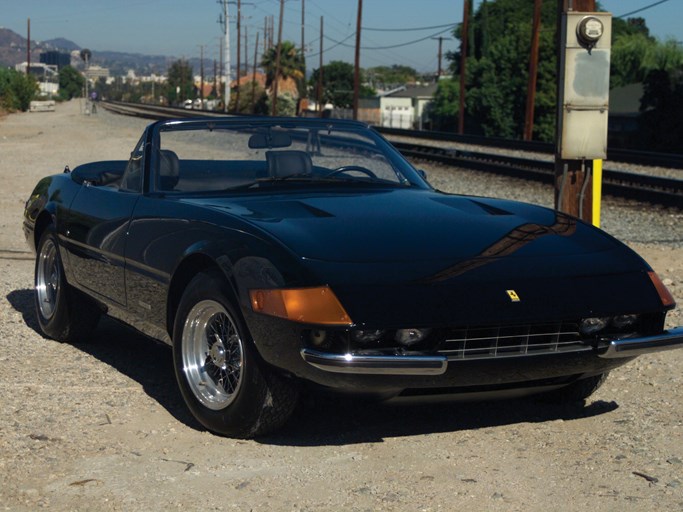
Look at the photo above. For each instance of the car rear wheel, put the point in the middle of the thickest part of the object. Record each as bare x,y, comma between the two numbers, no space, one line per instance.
63,312
226,386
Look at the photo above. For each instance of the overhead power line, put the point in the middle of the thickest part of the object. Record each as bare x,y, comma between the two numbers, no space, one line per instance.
338,43
642,9
408,43
413,29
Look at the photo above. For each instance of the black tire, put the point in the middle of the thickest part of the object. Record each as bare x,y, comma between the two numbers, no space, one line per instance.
224,383
576,392
64,313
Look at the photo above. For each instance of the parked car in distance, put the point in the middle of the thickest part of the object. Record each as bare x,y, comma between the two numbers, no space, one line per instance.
276,256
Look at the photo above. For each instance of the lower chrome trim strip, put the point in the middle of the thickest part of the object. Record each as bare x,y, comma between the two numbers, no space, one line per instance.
376,365
631,347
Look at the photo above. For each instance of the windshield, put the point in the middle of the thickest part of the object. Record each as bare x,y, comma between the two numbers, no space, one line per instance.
222,156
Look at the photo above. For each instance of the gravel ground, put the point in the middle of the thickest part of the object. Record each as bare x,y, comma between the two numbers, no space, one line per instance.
101,426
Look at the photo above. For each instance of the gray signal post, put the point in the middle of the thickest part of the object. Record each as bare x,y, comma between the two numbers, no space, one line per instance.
86,55
224,19
582,107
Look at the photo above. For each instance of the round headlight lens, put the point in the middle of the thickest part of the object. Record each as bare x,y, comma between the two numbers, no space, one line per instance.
411,336
318,338
623,321
593,325
367,336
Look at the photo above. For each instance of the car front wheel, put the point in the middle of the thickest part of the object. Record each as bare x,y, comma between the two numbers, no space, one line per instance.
222,380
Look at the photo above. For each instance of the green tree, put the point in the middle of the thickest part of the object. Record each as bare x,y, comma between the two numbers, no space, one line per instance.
70,83
389,77
443,110
255,104
661,111
180,83
338,84
666,56
292,65
497,69
629,26
286,104
498,61
16,90
629,53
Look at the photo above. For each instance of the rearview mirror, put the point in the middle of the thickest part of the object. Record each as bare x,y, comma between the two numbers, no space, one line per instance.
270,140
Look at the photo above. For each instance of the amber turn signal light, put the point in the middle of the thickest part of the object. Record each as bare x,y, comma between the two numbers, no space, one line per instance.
664,293
317,305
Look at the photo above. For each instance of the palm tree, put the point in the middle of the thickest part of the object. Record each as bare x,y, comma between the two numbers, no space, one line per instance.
292,65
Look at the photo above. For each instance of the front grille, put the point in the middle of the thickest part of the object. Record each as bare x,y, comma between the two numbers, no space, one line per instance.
511,341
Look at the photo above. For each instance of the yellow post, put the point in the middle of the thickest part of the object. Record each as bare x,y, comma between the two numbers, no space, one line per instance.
597,191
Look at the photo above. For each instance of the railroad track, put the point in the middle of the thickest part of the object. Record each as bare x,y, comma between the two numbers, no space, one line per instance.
670,160
642,187
155,112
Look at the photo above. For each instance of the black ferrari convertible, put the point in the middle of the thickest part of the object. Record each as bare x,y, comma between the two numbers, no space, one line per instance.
278,255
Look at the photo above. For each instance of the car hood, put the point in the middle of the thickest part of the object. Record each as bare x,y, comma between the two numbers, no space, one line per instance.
398,257
397,225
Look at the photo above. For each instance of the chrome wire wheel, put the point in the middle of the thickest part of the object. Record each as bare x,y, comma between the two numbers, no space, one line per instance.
48,279
212,354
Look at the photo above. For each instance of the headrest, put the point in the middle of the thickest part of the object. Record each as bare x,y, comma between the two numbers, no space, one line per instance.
169,169
287,163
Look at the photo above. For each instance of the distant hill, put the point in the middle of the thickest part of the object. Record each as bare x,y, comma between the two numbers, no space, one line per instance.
12,48
62,44
13,51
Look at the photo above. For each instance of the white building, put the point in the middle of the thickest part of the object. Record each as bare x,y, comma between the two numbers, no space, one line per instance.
94,72
407,107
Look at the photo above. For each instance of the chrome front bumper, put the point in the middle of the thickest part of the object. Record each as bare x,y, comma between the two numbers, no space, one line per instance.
376,365
631,347
437,364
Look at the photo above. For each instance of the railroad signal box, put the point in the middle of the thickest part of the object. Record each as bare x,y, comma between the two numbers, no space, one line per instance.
584,85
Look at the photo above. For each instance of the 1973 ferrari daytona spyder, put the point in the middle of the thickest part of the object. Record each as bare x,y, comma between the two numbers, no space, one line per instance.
275,255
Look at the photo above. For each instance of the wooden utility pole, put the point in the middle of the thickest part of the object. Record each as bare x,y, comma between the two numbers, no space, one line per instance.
239,64
220,69
215,78
440,54
246,55
277,59
253,77
201,74
533,72
464,37
225,19
319,97
272,31
28,47
356,69
573,190
303,45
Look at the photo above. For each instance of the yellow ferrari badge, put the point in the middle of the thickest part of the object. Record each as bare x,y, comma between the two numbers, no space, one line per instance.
513,295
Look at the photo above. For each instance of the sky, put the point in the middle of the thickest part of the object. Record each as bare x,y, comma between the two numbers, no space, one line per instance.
180,28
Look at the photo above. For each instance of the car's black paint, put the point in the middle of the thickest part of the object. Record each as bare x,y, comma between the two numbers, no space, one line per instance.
396,257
